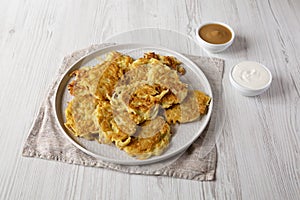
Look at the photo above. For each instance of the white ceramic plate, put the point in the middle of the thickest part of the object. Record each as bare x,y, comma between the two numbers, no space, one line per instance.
184,134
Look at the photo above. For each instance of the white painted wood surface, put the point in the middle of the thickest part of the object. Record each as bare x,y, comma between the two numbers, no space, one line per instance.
258,149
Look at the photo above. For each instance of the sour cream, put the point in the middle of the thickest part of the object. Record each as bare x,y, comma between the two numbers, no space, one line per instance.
251,78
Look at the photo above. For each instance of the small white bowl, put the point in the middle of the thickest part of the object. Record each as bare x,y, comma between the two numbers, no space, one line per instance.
215,48
250,78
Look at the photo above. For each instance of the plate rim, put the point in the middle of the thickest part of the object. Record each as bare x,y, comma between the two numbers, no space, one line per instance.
153,159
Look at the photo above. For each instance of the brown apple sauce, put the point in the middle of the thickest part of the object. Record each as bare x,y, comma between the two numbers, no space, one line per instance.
215,33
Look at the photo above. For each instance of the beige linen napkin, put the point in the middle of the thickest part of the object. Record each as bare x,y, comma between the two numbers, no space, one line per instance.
199,162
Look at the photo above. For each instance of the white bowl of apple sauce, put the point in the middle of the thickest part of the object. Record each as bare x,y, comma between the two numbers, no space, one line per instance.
250,78
215,37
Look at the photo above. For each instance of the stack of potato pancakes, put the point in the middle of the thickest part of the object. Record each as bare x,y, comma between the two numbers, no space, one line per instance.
132,103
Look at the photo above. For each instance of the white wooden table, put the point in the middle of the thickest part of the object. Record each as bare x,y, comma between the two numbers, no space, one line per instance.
259,147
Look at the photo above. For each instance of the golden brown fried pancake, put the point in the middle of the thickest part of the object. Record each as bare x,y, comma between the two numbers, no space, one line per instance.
107,81
86,80
195,104
100,80
167,78
144,102
153,139
111,76
80,118
169,100
120,110
123,61
109,131
136,102
153,71
203,101
170,61
138,74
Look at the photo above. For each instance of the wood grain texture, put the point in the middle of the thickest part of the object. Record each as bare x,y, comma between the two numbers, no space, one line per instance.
259,147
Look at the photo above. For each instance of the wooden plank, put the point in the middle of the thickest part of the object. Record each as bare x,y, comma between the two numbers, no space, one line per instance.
258,148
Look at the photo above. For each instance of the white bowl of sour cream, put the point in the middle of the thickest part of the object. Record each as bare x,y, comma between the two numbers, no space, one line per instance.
250,78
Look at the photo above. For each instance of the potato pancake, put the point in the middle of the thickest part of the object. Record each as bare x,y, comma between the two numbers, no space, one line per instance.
80,118
195,104
153,139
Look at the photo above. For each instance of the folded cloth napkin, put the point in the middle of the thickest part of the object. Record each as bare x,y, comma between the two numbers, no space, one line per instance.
198,162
